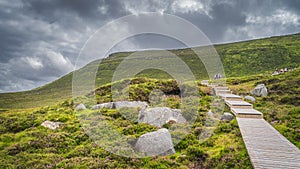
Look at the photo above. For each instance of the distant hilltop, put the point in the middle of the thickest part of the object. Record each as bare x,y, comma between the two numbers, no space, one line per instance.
239,59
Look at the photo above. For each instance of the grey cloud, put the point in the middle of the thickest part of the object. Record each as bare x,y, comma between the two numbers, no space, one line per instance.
292,4
29,71
55,9
42,66
31,29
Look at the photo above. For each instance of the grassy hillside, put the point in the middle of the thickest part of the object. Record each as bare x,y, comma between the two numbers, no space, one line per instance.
239,59
24,143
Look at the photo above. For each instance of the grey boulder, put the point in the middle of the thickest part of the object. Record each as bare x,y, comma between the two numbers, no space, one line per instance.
51,125
121,104
260,90
80,107
132,104
250,98
155,143
227,117
108,105
210,113
159,116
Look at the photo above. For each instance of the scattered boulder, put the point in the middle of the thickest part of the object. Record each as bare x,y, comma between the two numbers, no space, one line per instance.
155,143
159,116
210,113
121,104
80,107
133,104
274,122
250,98
51,125
227,117
260,90
108,105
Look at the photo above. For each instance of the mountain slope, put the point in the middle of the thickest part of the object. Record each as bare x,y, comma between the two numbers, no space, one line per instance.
239,59
25,143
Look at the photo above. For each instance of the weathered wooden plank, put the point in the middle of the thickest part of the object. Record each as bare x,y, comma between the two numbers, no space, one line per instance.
267,148
246,113
221,88
204,82
217,92
238,104
230,96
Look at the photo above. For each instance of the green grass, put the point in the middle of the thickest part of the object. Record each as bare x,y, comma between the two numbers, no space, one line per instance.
24,143
239,59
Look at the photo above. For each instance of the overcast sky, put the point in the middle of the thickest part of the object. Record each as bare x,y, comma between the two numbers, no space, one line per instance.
41,39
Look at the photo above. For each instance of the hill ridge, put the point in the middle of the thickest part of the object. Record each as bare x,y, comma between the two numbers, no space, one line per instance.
238,58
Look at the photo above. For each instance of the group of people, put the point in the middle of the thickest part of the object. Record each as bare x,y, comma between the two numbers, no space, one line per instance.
276,72
217,76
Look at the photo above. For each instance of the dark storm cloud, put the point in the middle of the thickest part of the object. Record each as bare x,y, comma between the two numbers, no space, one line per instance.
54,9
292,4
40,39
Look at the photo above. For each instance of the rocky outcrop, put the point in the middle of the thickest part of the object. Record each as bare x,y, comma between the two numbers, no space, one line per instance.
108,105
210,113
250,98
260,90
80,107
155,143
159,116
132,104
227,117
121,104
51,125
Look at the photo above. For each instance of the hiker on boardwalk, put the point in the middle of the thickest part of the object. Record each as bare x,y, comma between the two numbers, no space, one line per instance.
217,76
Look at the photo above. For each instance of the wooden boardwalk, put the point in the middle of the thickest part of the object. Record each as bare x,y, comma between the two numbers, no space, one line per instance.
267,148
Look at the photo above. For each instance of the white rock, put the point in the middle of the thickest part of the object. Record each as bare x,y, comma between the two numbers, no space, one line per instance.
159,116
108,105
155,143
51,125
227,117
210,113
121,104
250,98
260,90
133,104
80,107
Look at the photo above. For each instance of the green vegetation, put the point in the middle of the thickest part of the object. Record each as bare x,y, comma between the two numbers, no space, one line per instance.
24,143
239,59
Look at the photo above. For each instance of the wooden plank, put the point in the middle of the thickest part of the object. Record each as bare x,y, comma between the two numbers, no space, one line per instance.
220,88
238,104
204,82
217,92
249,116
267,148
230,96
246,113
